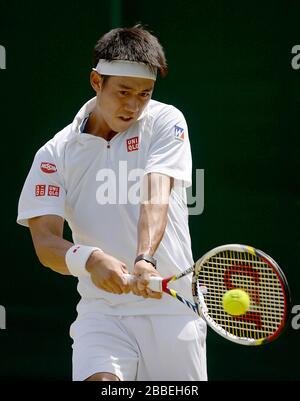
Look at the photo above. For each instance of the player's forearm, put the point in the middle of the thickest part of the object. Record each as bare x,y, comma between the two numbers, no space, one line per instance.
151,227
153,212
51,251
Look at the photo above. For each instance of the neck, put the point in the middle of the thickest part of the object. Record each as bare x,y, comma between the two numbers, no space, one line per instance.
98,127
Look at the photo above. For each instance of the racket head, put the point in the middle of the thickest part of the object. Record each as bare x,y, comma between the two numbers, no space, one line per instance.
244,267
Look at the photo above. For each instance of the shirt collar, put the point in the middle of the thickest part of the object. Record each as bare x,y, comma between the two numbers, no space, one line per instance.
81,117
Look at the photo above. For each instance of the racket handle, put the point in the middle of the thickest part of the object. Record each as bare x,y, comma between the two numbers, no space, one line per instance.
155,283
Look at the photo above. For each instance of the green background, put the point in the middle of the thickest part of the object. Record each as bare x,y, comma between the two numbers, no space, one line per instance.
231,75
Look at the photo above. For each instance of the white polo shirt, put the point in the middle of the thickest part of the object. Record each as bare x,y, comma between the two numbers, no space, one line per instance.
93,184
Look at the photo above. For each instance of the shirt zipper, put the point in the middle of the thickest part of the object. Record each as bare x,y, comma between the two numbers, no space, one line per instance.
108,152
108,146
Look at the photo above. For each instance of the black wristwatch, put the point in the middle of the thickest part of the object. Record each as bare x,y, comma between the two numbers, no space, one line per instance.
147,258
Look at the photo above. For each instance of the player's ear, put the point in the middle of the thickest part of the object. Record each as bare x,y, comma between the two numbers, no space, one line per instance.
96,81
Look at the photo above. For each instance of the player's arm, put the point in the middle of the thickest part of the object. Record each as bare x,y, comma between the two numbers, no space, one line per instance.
151,227
51,248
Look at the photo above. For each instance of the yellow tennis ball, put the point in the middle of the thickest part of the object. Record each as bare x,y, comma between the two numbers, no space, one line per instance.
236,302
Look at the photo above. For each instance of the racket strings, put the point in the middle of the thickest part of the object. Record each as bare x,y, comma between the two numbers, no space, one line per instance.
232,269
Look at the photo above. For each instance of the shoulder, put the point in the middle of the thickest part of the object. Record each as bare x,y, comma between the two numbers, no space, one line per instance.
56,145
162,113
165,117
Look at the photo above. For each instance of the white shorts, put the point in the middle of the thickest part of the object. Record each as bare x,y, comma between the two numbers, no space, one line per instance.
143,348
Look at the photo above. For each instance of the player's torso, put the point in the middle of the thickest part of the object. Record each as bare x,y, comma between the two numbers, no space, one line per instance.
102,180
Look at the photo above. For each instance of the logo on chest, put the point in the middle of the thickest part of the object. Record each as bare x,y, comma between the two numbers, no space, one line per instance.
132,144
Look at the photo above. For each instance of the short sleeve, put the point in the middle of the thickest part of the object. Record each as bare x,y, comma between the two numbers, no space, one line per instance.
170,152
43,191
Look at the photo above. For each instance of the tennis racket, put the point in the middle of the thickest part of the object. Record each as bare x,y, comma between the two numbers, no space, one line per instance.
236,266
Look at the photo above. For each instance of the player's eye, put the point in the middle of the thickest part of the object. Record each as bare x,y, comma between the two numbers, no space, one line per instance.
145,95
124,93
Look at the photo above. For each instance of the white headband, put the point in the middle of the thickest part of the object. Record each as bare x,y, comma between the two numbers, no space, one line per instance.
124,68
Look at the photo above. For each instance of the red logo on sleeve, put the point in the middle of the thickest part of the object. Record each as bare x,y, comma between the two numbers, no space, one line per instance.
48,167
133,144
53,190
40,190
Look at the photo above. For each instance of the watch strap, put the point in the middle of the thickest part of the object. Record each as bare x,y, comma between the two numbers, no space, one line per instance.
147,258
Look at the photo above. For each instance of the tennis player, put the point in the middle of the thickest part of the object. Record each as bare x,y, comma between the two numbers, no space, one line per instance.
117,174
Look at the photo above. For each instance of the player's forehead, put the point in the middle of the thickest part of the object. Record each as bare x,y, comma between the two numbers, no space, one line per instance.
131,83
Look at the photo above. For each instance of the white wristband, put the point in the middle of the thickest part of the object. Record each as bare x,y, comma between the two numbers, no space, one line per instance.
76,258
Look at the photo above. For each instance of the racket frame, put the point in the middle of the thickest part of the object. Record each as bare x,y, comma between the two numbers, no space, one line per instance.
202,307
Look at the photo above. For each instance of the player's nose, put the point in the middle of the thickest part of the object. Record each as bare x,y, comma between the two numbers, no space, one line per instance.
132,105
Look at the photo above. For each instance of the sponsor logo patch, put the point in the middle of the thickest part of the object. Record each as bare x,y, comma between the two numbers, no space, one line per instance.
133,144
53,190
179,133
48,167
40,190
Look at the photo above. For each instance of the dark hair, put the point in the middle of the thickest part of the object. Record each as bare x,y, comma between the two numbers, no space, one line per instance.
132,44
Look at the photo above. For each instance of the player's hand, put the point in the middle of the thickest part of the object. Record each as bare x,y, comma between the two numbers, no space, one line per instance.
107,273
142,272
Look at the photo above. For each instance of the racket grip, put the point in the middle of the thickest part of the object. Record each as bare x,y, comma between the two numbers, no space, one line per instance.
155,283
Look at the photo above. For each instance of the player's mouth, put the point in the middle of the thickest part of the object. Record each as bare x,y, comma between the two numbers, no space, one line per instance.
126,119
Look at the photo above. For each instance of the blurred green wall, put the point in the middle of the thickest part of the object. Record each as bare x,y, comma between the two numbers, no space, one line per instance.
231,75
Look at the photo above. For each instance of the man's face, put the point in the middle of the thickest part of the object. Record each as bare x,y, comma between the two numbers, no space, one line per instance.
121,101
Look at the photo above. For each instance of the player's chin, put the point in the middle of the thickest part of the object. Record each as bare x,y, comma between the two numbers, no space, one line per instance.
121,125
